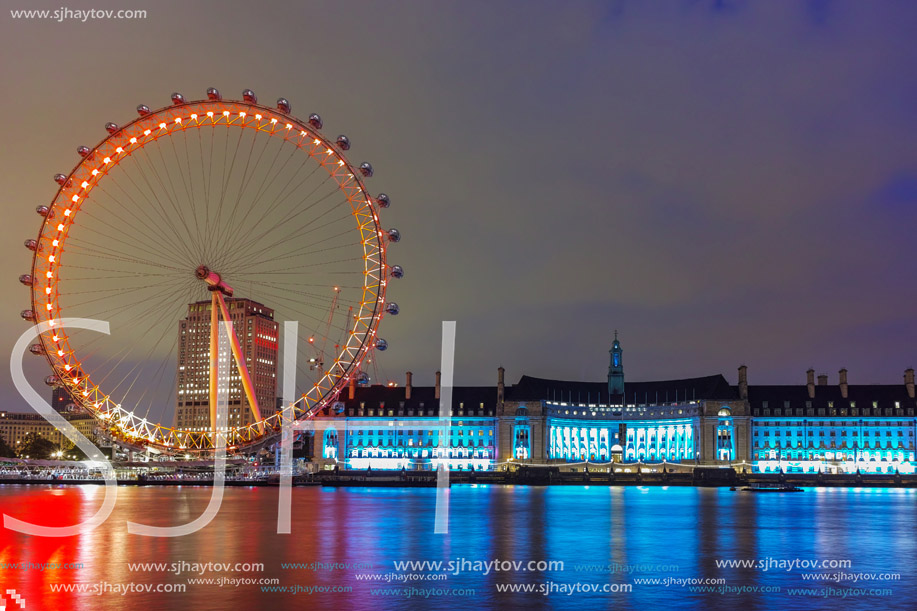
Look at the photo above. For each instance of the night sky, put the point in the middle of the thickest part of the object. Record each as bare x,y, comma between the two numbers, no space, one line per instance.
725,183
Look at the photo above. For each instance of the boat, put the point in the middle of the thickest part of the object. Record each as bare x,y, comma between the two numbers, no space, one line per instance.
378,482
772,488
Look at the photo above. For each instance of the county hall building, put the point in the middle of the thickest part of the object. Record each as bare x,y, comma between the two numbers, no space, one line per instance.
811,427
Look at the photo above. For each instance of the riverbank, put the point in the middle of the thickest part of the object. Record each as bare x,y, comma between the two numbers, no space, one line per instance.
554,476
533,476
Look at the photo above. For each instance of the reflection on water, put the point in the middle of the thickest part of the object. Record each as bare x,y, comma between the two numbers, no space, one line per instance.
602,536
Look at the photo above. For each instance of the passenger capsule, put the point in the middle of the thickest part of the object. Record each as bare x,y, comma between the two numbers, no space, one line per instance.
178,98
214,94
381,345
343,142
397,271
366,169
112,128
283,105
43,211
60,179
26,279
28,315
83,151
363,378
249,96
394,235
315,121
392,308
31,245
143,110
37,349
383,201
53,381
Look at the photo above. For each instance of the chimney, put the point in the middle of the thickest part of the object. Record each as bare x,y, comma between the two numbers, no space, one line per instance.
438,380
407,385
353,387
810,383
501,388
823,380
909,382
842,375
743,383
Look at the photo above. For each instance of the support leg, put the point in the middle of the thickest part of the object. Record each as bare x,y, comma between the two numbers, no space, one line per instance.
240,359
214,359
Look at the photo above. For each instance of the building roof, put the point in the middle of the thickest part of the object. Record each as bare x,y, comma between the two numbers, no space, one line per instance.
713,387
764,400
466,400
869,399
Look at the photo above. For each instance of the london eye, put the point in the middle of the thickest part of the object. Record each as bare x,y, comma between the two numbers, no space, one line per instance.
199,214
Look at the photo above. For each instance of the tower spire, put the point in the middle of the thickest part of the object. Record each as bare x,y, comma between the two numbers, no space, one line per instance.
616,368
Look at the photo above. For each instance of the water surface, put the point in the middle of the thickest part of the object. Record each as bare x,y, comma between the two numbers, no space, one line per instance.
618,536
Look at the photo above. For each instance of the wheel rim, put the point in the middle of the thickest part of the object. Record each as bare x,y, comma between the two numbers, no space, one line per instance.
157,241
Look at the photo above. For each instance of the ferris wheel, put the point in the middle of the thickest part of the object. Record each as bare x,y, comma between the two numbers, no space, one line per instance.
193,216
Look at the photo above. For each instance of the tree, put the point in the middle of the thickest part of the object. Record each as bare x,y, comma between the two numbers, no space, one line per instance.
73,450
36,447
5,450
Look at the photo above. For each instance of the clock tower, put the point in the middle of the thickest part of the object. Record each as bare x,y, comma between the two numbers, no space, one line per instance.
616,369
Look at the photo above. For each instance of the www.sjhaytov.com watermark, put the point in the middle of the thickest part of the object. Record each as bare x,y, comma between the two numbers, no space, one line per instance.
83,15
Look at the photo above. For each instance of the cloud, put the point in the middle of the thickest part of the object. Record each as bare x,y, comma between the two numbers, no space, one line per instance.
724,182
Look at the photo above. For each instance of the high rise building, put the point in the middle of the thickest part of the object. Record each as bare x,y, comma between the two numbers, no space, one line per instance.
61,400
254,326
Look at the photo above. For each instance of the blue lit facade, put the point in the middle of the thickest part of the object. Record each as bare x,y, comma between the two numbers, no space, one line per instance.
790,428
870,445
647,433
839,428
330,443
395,428
419,443
696,420
725,436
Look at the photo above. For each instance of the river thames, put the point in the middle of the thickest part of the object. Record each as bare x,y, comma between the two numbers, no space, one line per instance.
573,547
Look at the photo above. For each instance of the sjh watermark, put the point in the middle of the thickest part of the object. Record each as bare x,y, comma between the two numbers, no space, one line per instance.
784,564
198,568
65,13
483,567
288,426
40,566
